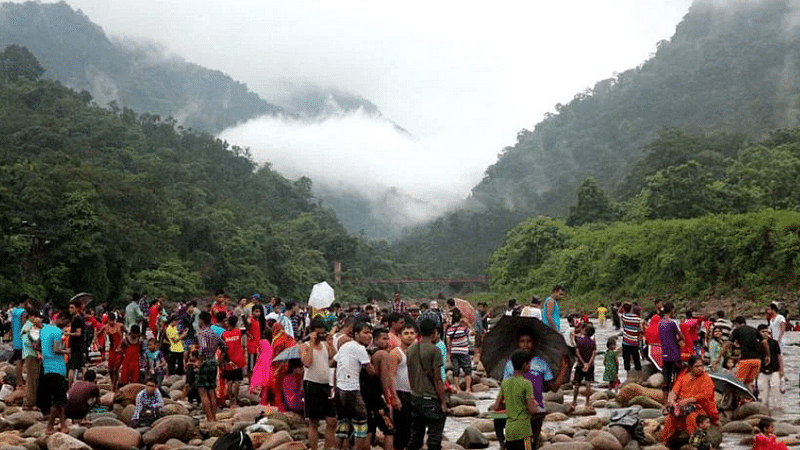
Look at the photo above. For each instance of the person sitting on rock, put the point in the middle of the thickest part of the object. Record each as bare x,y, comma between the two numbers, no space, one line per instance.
148,405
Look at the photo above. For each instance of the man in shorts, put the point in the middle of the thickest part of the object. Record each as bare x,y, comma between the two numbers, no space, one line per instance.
317,355
585,350
18,318
235,361
375,388
458,348
52,395
76,340
350,408
753,346
208,343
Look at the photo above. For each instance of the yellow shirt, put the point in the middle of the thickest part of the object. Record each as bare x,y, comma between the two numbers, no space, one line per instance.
601,312
172,335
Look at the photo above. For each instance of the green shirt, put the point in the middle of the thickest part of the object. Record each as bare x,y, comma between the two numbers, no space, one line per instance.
516,392
424,362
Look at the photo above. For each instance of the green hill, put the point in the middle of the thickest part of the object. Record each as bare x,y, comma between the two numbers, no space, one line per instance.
77,52
728,69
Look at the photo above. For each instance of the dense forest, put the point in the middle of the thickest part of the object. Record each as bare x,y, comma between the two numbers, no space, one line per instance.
730,70
109,201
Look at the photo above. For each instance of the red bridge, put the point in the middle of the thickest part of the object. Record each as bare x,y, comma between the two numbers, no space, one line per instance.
483,279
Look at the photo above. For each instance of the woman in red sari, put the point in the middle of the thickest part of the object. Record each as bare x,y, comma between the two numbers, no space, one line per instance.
692,387
280,342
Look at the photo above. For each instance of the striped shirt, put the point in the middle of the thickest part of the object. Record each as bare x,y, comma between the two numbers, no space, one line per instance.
399,307
208,343
459,339
630,329
144,401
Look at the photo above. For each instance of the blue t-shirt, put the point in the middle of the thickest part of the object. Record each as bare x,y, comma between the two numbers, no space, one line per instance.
52,362
539,373
16,326
218,330
443,350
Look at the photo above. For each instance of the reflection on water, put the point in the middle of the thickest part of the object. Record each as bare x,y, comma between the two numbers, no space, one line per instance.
789,410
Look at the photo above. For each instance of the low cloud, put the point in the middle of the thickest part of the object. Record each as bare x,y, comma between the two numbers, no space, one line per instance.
356,152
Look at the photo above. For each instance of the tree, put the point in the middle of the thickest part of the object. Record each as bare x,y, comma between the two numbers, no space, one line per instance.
594,205
18,62
680,192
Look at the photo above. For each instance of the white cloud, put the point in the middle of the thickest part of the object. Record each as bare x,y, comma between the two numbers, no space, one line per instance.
463,77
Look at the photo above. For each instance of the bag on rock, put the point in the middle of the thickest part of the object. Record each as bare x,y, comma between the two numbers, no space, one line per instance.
237,440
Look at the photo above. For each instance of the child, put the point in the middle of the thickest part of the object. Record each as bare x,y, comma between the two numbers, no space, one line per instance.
232,370
766,440
699,440
148,405
715,345
585,350
517,394
293,387
611,364
190,392
156,363
131,350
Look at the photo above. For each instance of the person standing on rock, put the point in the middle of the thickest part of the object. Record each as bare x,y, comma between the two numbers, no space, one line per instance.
753,347
208,343
771,373
18,317
516,393
631,337
176,349
30,343
377,391
350,407
233,369
52,394
398,366
671,342
77,341
317,356
458,348
551,308
428,402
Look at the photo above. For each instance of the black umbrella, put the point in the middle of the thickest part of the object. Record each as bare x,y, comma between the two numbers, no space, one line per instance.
732,389
501,341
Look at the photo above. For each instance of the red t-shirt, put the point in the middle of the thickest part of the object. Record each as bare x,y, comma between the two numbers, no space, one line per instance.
153,322
253,336
215,308
233,339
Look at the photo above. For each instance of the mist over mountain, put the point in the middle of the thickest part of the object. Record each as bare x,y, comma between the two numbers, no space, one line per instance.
730,67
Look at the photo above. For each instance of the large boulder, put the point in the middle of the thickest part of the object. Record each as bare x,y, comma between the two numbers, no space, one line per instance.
276,440
464,411
126,414
590,423
555,397
248,413
574,445
294,445
107,422
113,438
127,394
655,380
621,434
748,409
23,419
645,402
11,438
173,409
472,438
737,426
106,399
483,425
179,427
633,390
61,441
555,417
603,440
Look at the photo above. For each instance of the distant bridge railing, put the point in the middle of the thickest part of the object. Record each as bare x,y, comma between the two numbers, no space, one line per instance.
421,280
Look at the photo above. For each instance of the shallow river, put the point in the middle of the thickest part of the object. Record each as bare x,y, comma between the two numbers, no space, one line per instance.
788,411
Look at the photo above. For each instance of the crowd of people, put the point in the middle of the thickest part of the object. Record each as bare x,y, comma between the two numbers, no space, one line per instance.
389,362
366,368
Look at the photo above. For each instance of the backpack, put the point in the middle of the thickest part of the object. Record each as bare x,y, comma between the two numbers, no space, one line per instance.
236,440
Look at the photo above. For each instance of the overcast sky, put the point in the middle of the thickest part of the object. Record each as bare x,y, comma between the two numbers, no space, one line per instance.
462,77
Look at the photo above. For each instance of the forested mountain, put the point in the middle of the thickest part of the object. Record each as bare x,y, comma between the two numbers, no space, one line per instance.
731,67
109,201
77,52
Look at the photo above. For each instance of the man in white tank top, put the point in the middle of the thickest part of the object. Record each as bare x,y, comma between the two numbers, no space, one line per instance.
317,356
401,402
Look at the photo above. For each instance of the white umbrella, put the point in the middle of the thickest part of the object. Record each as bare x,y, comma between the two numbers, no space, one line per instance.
321,296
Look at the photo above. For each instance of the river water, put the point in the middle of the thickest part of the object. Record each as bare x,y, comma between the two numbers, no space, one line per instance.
789,410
